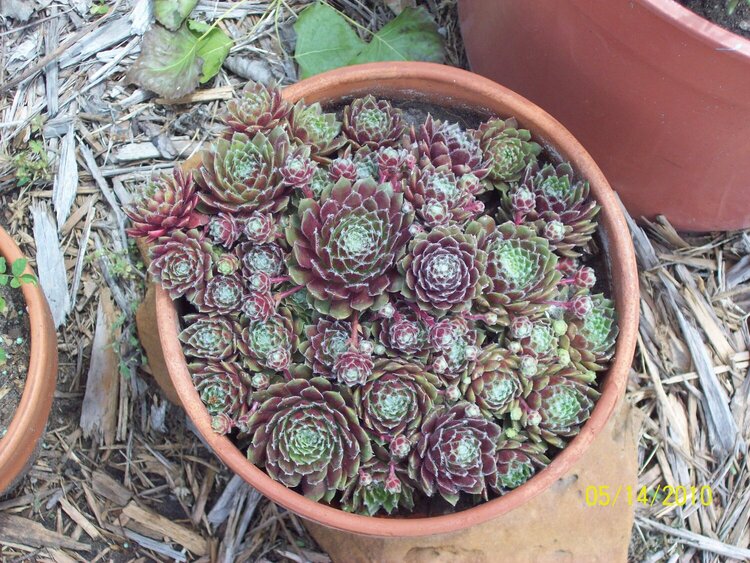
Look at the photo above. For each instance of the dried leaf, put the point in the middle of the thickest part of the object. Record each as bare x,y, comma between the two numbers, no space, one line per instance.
172,64
168,64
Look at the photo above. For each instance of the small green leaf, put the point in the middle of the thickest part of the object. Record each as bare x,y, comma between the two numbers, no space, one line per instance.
412,36
324,40
15,283
3,356
171,13
2,305
98,9
28,278
19,266
3,265
168,63
213,48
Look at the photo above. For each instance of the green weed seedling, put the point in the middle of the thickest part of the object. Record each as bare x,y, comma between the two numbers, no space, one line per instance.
15,279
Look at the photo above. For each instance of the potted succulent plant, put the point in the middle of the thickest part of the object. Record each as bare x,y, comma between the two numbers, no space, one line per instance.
385,311
652,89
37,352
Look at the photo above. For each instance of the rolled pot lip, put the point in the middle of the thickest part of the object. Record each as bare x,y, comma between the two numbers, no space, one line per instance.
29,420
428,77
708,32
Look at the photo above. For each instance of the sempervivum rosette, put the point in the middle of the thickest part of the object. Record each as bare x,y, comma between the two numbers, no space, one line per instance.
372,123
522,269
352,368
344,246
508,149
591,340
310,126
380,486
306,434
326,341
166,203
447,144
241,174
496,383
444,269
259,108
181,263
395,399
269,342
518,459
440,198
454,453
209,338
563,208
404,333
556,409
265,259
221,295
222,389
456,346
224,229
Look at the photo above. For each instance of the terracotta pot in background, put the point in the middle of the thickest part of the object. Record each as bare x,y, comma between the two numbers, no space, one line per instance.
657,94
19,444
454,88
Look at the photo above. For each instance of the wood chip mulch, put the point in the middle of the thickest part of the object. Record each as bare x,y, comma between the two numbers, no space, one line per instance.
120,475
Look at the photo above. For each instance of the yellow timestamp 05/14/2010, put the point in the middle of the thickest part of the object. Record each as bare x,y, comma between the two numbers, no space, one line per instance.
666,495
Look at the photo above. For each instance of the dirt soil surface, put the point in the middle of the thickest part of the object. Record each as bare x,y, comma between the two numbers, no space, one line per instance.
14,339
716,11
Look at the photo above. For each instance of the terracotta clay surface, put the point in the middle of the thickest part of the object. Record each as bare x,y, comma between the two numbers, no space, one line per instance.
148,334
25,430
556,526
453,87
657,94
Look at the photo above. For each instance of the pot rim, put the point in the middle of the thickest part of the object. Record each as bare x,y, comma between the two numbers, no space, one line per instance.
721,39
28,422
452,84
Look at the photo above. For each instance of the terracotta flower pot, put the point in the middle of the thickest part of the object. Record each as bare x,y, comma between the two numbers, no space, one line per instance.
18,445
657,94
450,87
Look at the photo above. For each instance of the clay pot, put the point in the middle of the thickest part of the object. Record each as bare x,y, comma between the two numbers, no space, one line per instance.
656,93
19,444
450,87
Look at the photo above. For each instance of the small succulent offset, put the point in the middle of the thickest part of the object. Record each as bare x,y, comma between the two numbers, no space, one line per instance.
15,279
387,313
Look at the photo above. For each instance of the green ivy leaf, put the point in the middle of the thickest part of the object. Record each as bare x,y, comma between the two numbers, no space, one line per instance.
171,13
412,36
213,48
324,40
3,265
172,64
19,266
15,283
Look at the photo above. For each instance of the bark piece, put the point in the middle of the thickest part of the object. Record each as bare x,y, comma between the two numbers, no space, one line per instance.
99,409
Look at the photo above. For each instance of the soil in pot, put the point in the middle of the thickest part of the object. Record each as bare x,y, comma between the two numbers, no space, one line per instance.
716,11
14,339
